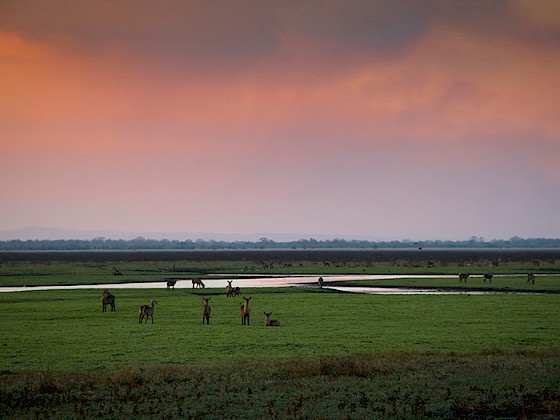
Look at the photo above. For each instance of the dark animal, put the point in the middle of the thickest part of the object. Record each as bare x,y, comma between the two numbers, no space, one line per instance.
206,311
108,299
171,284
463,277
488,277
530,278
147,311
320,281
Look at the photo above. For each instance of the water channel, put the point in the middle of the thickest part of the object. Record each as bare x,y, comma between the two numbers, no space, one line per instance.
273,281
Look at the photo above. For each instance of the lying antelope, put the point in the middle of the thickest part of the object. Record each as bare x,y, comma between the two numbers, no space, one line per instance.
463,277
270,323
171,284
530,278
147,311
320,281
206,311
108,299
245,310
197,283
229,289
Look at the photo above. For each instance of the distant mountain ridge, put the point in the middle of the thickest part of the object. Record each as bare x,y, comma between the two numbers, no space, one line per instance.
45,233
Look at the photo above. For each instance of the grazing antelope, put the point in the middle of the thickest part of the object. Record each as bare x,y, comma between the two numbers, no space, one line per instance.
245,310
530,278
197,283
270,323
320,281
488,277
463,277
236,291
147,311
171,284
229,289
108,299
206,311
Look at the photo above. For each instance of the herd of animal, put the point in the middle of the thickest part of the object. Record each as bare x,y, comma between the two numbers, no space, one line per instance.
148,311
464,276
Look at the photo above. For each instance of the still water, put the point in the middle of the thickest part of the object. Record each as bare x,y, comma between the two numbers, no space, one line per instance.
279,281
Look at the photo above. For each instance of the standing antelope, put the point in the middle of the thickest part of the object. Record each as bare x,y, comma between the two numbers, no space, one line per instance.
236,291
488,277
197,283
320,281
530,278
108,299
270,323
171,284
245,310
147,311
463,277
206,311
229,289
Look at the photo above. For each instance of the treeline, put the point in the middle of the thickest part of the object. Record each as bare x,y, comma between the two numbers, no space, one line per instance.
141,243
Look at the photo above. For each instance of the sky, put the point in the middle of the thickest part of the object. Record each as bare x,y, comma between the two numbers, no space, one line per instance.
394,119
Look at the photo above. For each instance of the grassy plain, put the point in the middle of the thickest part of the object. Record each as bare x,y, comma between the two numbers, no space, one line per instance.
336,355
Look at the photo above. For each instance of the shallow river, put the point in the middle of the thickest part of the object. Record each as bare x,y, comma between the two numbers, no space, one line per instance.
270,282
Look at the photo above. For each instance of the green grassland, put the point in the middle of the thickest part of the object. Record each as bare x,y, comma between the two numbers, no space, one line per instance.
335,355
61,272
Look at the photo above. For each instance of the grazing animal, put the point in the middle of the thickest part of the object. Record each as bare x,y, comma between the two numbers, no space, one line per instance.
116,272
197,283
236,291
229,289
108,299
270,323
245,311
530,278
171,284
463,277
206,311
320,281
488,277
147,311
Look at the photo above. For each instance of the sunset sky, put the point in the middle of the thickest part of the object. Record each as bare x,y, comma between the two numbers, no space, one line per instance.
401,119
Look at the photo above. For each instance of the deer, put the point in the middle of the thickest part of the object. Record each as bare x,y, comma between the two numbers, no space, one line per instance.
197,283
171,284
463,277
206,311
488,277
530,278
245,310
147,311
108,299
320,281
236,291
270,323
229,289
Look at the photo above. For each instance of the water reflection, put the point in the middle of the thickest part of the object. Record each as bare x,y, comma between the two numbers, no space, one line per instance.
279,281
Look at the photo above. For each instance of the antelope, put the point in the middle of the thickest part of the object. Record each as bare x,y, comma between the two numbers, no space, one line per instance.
171,284
463,277
197,283
488,277
206,311
530,278
270,323
245,310
147,311
229,289
320,281
108,299
236,291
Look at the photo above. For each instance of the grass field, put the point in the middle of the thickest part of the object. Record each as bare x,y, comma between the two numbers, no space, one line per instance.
335,355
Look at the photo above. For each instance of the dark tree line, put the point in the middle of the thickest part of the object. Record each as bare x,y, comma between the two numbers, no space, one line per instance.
141,243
